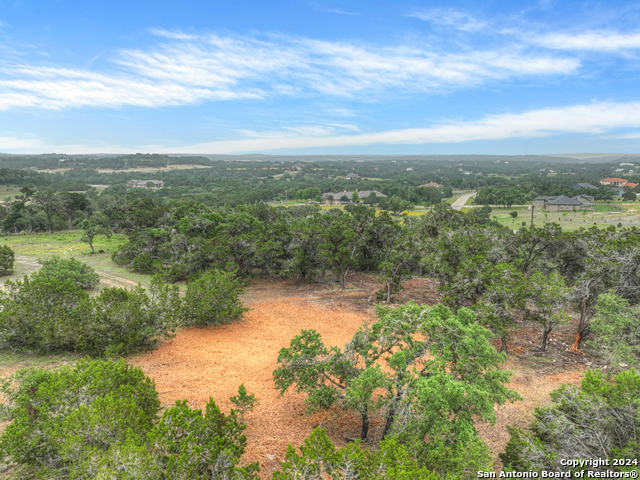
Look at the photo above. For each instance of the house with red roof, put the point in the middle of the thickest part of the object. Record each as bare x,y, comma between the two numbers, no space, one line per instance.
613,182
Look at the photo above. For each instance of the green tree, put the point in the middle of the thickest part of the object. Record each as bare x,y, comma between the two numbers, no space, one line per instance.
97,224
7,257
396,265
126,320
338,247
629,195
192,445
59,417
371,199
617,327
482,215
395,204
600,420
71,203
319,458
547,293
43,313
213,299
49,201
244,401
505,292
99,419
440,375
355,198
61,269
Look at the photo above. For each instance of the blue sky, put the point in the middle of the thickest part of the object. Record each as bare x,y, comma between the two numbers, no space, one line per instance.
289,76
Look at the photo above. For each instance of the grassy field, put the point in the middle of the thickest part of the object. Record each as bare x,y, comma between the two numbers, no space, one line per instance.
30,248
452,199
8,191
602,217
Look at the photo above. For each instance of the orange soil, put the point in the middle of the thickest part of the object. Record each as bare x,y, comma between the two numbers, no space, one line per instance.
214,361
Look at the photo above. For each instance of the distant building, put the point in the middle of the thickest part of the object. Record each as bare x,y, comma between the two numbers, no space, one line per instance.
298,166
563,203
409,169
630,185
584,185
334,198
144,183
614,182
352,175
431,185
586,199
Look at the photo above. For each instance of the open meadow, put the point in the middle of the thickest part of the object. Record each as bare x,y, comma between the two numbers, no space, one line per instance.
603,216
31,248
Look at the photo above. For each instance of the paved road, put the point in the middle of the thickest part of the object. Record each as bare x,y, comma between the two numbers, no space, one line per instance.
459,203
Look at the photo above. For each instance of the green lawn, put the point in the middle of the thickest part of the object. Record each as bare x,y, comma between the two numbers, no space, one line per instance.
452,199
42,245
604,208
570,221
7,191
30,248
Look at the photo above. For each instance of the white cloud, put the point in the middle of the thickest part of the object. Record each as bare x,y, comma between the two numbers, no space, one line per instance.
595,118
187,69
450,17
602,41
12,144
590,119
54,88
624,136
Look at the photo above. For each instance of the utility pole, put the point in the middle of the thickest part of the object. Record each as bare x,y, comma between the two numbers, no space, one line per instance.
533,207
286,200
409,194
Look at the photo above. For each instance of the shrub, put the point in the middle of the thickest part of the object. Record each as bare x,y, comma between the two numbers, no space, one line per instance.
42,313
61,269
60,417
600,417
319,459
244,402
513,214
7,258
47,314
617,326
217,438
126,320
213,299
100,420
144,263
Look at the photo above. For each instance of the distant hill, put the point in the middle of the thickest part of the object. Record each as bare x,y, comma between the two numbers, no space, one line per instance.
559,158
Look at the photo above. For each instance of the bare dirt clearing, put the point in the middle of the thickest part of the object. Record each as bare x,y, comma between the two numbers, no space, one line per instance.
214,361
